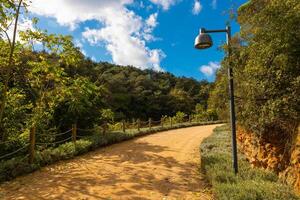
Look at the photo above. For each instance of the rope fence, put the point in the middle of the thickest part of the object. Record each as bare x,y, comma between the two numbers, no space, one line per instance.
78,133
56,142
58,134
6,142
13,153
86,130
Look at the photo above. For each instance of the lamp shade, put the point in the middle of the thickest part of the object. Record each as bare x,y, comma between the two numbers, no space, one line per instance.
203,41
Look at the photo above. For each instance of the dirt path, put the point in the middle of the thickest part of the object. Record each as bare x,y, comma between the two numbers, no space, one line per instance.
159,166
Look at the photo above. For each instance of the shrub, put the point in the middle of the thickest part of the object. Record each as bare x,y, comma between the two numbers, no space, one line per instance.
115,126
179,117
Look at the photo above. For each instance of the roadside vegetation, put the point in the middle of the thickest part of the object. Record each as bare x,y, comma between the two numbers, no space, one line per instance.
249,184
266,63
48,153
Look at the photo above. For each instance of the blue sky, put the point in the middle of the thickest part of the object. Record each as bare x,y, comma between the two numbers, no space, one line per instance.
157,34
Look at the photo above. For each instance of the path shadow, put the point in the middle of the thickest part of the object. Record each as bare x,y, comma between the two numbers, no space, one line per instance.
124,170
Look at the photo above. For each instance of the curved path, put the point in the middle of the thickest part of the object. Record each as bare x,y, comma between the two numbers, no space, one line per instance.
158,166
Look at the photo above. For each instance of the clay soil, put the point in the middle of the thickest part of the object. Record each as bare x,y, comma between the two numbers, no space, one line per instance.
159,166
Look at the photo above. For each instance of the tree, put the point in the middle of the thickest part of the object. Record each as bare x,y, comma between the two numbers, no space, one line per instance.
9,17
265,59
271,73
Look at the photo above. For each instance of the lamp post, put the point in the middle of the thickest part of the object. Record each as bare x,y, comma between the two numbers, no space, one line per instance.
204,41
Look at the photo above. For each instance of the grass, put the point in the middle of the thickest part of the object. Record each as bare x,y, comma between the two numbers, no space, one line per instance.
17,166
249,184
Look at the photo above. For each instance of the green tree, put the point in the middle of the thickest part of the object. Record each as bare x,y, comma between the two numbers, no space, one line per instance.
9,12
265,58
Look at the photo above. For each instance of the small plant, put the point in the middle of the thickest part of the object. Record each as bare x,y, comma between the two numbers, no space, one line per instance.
115,127
179,117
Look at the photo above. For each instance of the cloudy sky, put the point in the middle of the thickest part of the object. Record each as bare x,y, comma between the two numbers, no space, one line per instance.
156,34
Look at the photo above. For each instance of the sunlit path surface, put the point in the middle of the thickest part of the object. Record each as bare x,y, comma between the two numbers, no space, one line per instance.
159,166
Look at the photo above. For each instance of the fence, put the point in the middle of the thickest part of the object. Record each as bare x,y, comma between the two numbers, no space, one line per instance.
42,141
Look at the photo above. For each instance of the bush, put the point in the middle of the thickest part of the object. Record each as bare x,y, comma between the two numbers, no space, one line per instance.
115,126
249,184
179,117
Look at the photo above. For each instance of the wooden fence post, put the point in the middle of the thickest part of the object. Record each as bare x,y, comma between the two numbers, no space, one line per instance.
150,123
162,122
104,127
74,132
32,144
138,124
171,122
123,126
190,119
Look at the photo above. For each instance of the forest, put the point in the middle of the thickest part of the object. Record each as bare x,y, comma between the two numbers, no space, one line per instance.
47,83
51,90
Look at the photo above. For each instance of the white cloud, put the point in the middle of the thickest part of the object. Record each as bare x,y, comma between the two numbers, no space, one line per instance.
197,7
93,59
125,48
214,4
151,23
71,12
152,20
155,56
210,69
79,44
165,4
123,33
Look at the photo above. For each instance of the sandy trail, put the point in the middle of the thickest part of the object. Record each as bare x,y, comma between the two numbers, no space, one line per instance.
158,166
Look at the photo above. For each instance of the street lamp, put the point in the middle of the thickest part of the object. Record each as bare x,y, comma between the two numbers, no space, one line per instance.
204,41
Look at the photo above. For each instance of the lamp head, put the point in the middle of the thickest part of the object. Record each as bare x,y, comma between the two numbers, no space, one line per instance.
203,40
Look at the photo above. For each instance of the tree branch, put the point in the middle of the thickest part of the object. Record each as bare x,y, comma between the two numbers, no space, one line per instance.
7,36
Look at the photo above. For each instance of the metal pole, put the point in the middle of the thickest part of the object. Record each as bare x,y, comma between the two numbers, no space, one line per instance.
232,110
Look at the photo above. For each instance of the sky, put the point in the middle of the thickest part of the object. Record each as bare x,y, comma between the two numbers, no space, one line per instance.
147,34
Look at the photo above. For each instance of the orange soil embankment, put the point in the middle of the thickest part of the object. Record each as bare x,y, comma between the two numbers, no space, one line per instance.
270,156
158,166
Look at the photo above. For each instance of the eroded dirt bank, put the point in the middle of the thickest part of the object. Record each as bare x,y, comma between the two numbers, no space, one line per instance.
273,155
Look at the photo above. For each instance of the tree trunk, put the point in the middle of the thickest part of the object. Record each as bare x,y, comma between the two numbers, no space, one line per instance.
8,72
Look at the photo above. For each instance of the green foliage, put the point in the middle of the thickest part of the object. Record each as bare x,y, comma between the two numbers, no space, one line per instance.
137,94
265,59
107,114
218,99
202,114
250,183
179,117
16,108
272,67
115,126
